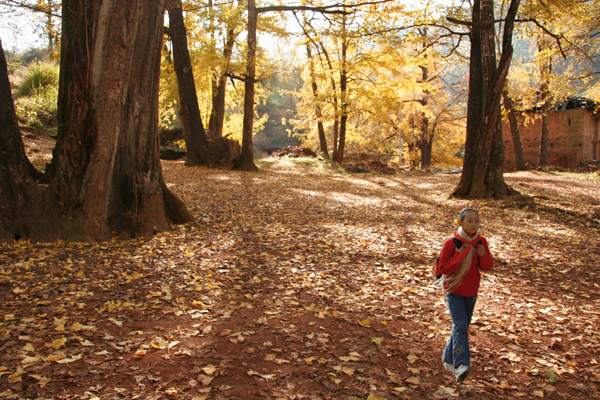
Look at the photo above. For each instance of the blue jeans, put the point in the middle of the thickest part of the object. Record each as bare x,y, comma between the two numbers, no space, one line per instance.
457,350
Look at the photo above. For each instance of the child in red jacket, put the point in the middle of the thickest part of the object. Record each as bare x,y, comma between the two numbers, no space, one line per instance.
460,266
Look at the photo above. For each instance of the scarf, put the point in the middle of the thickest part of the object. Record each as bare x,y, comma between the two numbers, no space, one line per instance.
453,281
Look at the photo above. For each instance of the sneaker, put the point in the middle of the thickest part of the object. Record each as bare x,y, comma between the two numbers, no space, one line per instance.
449,367
461,373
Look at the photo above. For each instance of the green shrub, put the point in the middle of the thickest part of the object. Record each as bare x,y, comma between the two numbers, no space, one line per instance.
37,78
38,110
37,95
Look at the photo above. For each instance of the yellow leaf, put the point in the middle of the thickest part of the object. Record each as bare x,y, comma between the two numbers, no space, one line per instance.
354,356
76,327
365,322
15,378
412,357
538,393
171,392
30,360
504,385
56,357
375,397
309,360
70,359
42,380
413,380
29,347
86,343
205,379
209,369
377,340
58,343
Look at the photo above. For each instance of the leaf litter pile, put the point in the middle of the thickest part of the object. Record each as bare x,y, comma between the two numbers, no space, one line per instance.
299,282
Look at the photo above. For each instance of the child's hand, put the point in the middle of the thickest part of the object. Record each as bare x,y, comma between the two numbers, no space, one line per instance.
480,249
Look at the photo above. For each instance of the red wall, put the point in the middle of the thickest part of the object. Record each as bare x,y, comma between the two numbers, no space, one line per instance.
573,139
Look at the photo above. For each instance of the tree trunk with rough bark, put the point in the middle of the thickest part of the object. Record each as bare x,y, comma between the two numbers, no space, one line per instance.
482,174
106,169
513,121
318,112
545,71
217,114
247,159
339,151
197,152
426,139
22,202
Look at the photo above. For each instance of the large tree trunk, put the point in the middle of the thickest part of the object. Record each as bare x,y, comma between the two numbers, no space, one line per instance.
106,169
19,210
247,160
482,174
514,131
318,112
334,101
197,152
339,153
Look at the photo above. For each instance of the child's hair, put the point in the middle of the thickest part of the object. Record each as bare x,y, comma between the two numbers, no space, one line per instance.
464,212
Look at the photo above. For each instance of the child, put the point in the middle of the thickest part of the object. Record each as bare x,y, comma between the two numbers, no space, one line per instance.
460,266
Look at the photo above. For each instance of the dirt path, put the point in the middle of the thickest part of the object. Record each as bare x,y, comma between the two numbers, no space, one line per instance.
299,283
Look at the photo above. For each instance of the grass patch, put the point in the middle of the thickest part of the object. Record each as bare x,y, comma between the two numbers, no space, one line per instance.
37,96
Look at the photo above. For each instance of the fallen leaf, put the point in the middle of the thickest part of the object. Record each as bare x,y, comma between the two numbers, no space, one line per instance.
42,380
413,380
58,343
209,369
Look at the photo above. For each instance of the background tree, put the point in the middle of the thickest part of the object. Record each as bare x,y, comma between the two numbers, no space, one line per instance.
47,14
197,151
554,60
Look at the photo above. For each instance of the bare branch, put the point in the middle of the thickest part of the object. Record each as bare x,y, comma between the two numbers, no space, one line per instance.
31,7
557,38
338,8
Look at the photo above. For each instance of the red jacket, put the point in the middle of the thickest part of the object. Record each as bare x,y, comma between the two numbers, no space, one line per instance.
450,261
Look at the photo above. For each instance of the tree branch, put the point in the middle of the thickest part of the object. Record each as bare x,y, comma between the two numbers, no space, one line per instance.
557,38
338,8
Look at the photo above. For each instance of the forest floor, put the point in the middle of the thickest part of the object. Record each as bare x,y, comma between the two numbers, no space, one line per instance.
299,282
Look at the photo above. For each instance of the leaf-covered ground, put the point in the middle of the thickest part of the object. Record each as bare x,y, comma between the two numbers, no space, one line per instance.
302,283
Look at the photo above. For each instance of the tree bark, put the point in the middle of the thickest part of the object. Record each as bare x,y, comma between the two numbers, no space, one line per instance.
514,131
247,160
339,153
217,114
426,139
318,112
18,209
482,174
106,169
193,130
545,71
